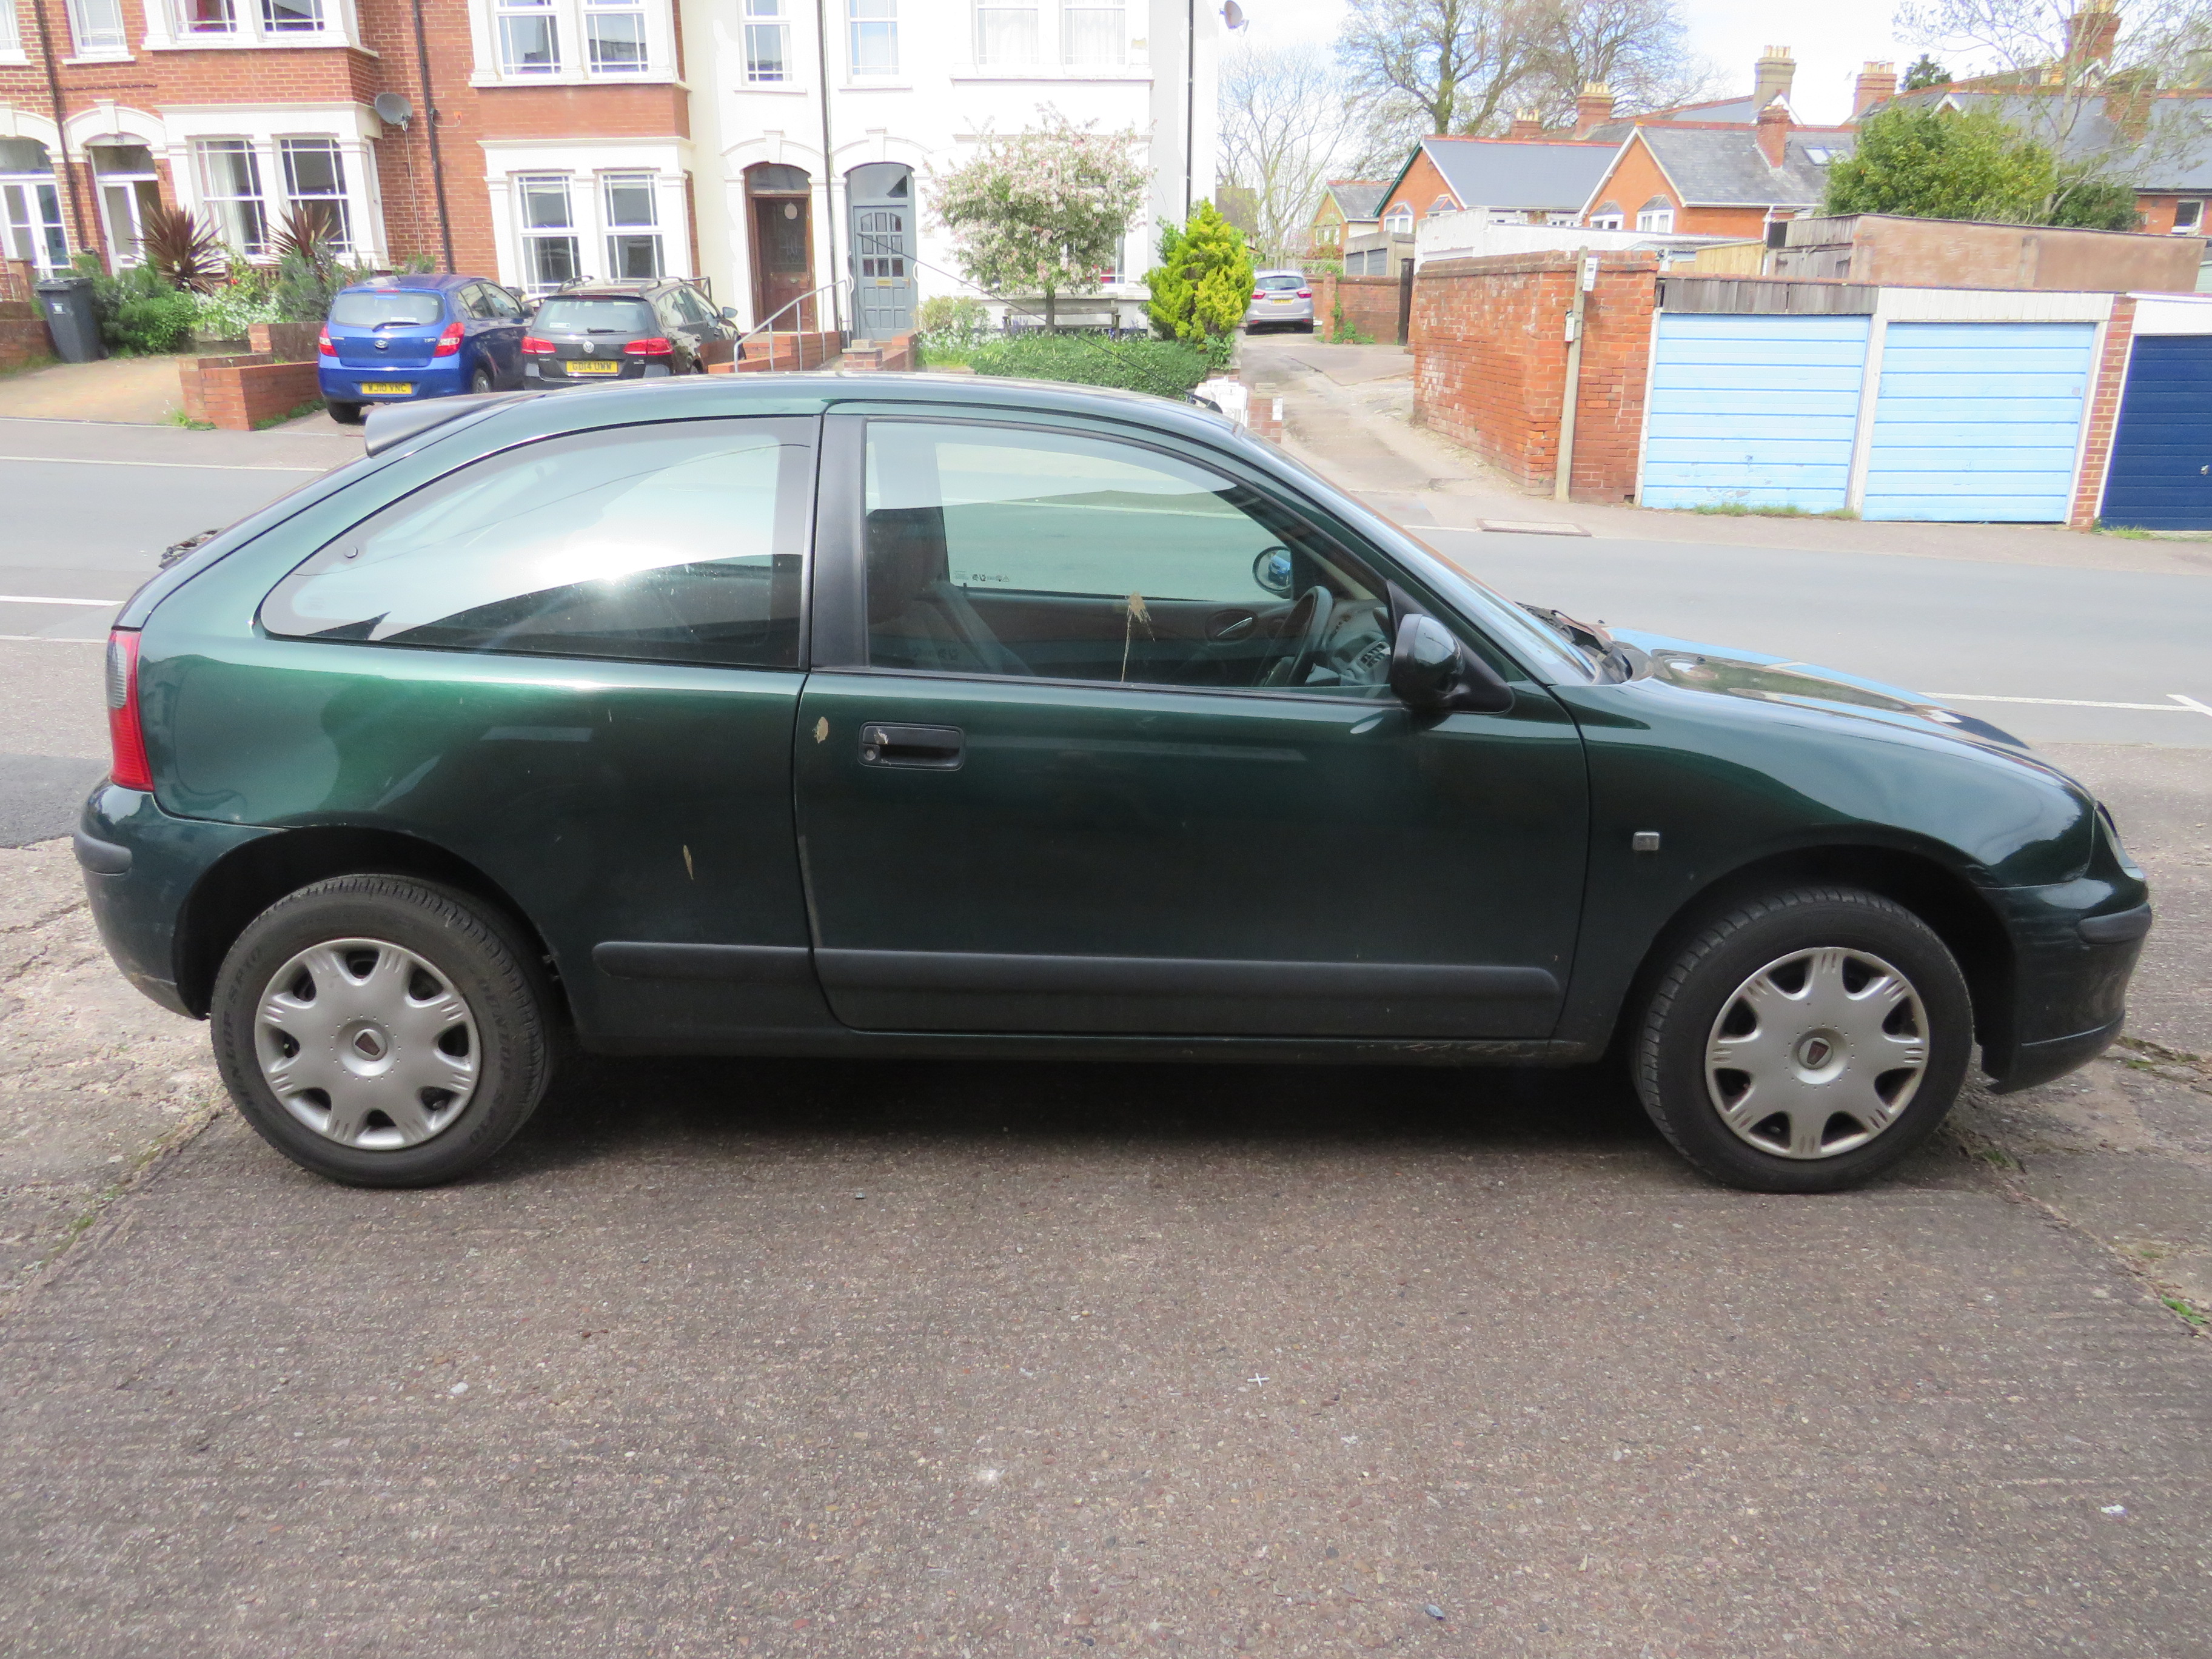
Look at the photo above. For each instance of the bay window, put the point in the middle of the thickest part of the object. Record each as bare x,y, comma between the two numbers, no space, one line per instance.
314,183
291,16
872,27
206,17
31,207
550,253
230,188
633,220
768,43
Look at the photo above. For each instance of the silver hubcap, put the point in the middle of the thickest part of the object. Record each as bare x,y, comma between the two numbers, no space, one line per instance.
1817,1053
366,1044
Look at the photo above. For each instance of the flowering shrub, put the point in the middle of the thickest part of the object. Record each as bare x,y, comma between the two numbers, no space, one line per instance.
231,309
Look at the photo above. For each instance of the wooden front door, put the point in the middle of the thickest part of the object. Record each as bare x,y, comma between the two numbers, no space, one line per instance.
783,258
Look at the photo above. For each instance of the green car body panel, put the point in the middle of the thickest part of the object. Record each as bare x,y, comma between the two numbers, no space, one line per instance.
1110,869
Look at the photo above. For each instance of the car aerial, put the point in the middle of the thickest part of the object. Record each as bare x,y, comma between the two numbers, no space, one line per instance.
822,715
1280,299
396,339
597,332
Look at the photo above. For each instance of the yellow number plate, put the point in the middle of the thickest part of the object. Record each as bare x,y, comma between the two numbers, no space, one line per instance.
595,369
378,388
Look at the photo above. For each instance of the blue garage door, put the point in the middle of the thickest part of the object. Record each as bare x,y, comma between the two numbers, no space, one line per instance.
2160,477
1979,422
1756,412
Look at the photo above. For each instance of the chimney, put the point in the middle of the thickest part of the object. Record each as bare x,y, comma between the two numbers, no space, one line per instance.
1877,83
1771,76
2090,33
1774,133
1527,123
1593,107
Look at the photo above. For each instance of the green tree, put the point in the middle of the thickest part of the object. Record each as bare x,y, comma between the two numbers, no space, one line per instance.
1042,212
1202,285
1925,72
2096,204
1939,164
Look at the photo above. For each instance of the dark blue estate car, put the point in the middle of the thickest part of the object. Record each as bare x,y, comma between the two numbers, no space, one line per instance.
395,338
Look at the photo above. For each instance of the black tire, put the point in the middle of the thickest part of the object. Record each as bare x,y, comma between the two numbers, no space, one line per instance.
480,382
1668,1045
347,413
482,959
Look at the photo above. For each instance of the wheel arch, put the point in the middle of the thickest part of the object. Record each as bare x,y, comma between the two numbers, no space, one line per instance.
1931,889
250,878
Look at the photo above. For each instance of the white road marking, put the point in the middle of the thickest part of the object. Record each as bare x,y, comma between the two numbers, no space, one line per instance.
187,466
40,598
2184,706
2189,702
50,639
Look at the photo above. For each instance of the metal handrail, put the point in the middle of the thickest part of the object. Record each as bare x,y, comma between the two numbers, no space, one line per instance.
737,351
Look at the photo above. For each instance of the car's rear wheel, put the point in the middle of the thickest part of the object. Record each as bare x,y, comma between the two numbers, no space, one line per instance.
382,1031
480,381
1805,1042
346,414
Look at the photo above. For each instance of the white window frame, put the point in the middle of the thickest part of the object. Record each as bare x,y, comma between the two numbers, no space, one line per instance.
512,165
766,20
539,185
880,17
1399,219
570,22
213,25
1606,221
630,12
2195,225
100,39
214,202
1009,52
340,222
263,129
1657,221
611,229
11,38
1111,18
39,232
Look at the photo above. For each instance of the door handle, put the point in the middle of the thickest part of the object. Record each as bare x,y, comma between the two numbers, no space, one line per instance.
927,747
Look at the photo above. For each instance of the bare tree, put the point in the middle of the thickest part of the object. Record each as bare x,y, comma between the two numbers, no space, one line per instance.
1638,48
1287,125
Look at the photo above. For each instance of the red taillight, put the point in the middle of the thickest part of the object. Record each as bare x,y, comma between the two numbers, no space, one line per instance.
126,739
654,348
324,344
449,342
1305,293
534,347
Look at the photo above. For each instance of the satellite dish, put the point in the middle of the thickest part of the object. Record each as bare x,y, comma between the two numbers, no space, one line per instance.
396,111
1233,14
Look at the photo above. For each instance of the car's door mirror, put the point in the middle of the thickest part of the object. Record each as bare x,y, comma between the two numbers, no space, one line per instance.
1273,571
1433,672
729,313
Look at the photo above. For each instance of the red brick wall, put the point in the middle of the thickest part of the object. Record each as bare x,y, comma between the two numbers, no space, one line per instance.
239,397
24,339
2104,414
1489,361
1370,303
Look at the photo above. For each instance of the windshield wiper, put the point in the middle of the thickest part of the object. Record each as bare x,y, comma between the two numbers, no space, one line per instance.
1589,638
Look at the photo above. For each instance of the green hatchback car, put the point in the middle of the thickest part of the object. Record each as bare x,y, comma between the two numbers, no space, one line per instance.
913,715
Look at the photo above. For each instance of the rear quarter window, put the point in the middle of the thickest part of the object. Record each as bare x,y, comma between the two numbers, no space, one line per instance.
412,307
679,541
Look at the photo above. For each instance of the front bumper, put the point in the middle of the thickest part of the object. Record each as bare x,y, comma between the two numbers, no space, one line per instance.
2075,947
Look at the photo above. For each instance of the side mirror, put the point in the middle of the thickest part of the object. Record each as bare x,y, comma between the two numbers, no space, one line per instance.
1433,673
729,313
1273,571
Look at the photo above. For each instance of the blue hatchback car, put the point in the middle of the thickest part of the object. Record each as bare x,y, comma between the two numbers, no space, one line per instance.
393,340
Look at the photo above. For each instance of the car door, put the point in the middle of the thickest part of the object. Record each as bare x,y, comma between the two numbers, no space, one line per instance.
503,331
1071,760
573,664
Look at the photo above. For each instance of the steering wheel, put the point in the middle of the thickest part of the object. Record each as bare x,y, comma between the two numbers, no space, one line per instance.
1290,667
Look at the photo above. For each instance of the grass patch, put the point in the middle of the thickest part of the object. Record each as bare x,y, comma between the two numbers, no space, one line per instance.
2126,532
2188,1311
30,367
1747,510
314,405
948,356
178,417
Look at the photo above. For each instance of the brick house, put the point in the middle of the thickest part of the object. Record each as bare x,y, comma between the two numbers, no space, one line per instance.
1525,179
1709,179
1348,208
576,137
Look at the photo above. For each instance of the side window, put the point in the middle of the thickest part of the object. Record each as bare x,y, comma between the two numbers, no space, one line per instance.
692,307
1000,550
675,543
501,303
468,300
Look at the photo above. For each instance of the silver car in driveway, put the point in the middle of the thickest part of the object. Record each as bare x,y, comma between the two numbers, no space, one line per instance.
1281,297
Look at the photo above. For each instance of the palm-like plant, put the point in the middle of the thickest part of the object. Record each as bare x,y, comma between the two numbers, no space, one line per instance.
182,250
305,234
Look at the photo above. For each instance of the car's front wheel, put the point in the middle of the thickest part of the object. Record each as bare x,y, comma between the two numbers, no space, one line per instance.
382,1031
1805,1042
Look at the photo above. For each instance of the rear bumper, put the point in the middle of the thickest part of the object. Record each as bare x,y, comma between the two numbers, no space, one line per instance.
344,383
537,371
143,869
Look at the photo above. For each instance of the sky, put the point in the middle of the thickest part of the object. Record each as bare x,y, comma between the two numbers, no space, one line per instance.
1829,43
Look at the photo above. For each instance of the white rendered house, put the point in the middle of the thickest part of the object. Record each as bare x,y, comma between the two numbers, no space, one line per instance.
911,86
